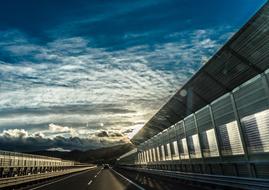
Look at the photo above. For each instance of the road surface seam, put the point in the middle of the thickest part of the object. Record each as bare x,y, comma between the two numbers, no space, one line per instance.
58,180
138,186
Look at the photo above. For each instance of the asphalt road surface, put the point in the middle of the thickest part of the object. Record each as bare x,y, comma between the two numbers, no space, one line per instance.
94,179
153,182
110,179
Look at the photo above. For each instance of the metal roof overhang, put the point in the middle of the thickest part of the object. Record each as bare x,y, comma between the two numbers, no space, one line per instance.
244,56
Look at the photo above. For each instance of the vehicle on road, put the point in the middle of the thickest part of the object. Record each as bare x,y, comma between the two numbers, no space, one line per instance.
106,166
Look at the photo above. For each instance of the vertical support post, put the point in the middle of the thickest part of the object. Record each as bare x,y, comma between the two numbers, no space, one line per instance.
184,127
199,139
198,133
265,83
215,131
241,132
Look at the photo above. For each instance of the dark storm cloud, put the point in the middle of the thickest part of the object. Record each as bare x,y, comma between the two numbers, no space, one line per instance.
108,134
102,134
20,140
127,131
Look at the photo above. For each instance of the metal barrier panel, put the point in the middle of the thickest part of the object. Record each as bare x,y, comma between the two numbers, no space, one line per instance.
252,103
227,127
207,133
192,137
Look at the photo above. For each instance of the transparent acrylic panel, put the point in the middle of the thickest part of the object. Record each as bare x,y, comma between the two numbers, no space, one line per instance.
176,155
172,149
209,143
257,131
230,140
153,154
158,154
145,157
194,146
163,152
252,103
169,157
150,155
147,153
183,149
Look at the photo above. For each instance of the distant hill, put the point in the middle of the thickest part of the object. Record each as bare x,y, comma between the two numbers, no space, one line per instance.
102,155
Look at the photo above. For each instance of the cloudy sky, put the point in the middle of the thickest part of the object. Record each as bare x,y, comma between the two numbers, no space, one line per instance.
78,74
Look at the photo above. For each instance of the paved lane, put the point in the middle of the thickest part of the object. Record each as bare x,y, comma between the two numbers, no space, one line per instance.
94,179
111,180
78,181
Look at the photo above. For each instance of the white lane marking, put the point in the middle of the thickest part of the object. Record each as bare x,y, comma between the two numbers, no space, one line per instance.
95,176
98,173
138,186
59,180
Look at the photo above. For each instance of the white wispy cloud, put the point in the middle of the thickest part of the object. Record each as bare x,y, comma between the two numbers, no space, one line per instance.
70,81
62,129
59,149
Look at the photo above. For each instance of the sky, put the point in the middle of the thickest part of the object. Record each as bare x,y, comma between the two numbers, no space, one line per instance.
77,74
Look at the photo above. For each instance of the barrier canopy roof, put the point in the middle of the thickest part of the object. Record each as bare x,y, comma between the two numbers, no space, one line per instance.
244,56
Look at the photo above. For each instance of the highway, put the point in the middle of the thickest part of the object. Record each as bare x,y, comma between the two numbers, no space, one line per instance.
97,178
109,179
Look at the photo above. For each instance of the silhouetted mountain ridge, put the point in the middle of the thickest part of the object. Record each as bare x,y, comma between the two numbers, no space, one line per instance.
101,155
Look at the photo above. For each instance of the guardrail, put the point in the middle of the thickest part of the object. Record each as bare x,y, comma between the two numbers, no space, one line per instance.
13,181
228,181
